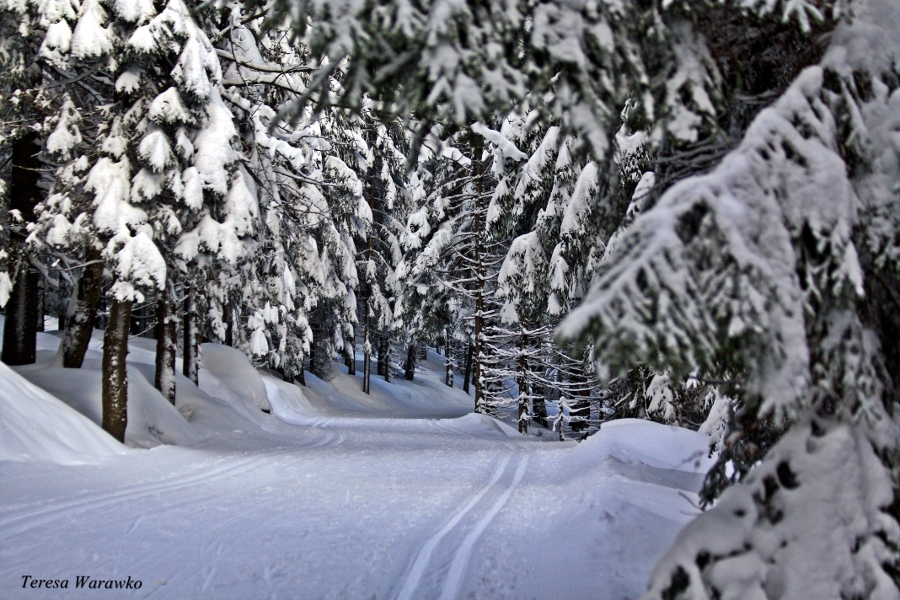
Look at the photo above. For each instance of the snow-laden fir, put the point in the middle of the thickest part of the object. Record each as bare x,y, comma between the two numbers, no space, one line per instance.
598,214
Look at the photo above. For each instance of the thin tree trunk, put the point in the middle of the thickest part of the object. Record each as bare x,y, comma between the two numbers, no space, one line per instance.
40,302
539,406
381,356
367,334
350,352
367,367
83,310
480,401
166,345
522,381
540,412
350,356
61,315
580,413
20,330
409,369
228,317
191,342
468,376
387,359
367,353
115,374
448,376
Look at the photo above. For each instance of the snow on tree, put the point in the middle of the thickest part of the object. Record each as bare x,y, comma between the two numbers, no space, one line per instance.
163,188
768,270
438,244
26,103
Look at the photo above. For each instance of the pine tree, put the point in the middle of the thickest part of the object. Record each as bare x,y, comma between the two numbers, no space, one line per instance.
767,270
23,28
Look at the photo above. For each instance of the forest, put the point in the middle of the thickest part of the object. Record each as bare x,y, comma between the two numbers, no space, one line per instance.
679,211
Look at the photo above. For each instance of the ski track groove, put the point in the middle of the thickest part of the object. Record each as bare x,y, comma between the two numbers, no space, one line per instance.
19,523
462,553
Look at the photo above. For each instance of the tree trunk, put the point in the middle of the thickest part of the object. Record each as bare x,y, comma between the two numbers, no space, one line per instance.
61,316
367,366
166,345
409,369
367,354
381,356
580,413
468,375
350,354
480,400
522,382
385,355
115,374
191,343
367,332
448,375
40,302
228,317
539,406
83,310
20,331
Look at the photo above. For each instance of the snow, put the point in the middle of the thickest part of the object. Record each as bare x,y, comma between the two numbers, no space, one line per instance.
167,108
35,426
90,38
227,374
828,466
5,288
403,493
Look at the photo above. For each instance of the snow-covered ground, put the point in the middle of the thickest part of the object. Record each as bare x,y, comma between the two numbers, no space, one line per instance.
401,494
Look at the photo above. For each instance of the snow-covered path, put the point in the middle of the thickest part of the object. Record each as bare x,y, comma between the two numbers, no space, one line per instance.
348,507
339,514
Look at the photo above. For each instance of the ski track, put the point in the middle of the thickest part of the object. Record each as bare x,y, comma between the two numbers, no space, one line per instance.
20,523
462,554
472,529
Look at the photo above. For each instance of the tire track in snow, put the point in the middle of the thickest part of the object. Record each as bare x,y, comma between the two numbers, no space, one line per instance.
21,522
453,551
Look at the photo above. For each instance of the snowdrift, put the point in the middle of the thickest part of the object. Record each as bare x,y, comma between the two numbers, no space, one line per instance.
634,441
152,420
227,374
36,426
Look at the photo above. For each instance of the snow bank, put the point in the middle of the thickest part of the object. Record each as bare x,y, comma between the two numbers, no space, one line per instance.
230,376
634,441
152,420
425,398
288,402
477,424
36,426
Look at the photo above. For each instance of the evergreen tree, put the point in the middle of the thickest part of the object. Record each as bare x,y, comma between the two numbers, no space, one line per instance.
767,271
